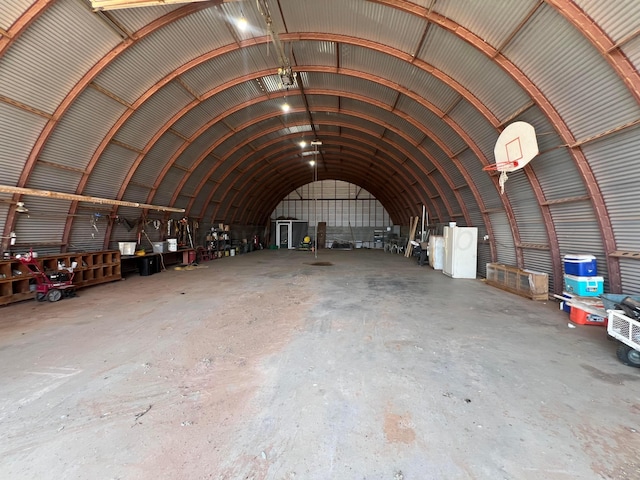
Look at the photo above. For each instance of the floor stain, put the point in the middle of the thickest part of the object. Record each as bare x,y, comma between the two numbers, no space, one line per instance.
399,428
611,378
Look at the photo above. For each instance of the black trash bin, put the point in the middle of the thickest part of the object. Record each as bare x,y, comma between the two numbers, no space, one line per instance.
147,265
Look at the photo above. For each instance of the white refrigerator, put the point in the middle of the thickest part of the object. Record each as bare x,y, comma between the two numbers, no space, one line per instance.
460,252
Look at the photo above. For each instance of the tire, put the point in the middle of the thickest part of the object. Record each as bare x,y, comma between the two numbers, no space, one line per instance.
40,297
54,295
628,355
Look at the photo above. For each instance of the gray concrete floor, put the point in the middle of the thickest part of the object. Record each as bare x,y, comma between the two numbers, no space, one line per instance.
264,366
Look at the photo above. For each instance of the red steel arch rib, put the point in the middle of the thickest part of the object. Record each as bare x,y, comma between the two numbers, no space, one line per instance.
269,198
383,176
290,138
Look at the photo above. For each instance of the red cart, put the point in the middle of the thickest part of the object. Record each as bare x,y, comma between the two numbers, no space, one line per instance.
50,285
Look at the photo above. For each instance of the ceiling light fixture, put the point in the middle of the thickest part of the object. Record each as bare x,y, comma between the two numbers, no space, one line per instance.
312,163
303,144
20,208
286,107
242,23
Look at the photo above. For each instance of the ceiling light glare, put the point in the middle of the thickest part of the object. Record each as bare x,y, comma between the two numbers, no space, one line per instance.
285,107
242,23
303,144
312,163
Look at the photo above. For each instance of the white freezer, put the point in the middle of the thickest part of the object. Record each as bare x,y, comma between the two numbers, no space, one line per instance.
460,252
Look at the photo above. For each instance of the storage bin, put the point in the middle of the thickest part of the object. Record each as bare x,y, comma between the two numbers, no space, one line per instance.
581,317
584,286
127,248
580,265
159,247
172,244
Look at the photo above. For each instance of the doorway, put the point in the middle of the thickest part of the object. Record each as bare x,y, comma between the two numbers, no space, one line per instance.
283,234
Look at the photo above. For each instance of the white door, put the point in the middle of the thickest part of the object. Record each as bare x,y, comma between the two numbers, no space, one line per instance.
284,234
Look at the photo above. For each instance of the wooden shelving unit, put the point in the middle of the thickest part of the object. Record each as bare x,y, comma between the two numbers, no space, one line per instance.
533,285
92,268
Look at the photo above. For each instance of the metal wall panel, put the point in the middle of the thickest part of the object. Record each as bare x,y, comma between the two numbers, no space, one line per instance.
133,19
201,144
632,51
199,116
46,61
356,85
136,193
79,132
630,276
19,130
360,19
493,21
540,261
110,172
11,11
583,87
614,161
315,53
48,177
4,208
484,257
617,19
558,175
483,134
466,64
431,121
526,209
152,58
168,186
503,238
224,68
152,115
481,179
84,236
44,224
154,161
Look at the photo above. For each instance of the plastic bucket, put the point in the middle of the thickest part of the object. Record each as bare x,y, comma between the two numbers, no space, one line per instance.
233,252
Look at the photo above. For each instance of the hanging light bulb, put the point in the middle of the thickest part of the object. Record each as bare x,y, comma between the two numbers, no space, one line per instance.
302,144
241,22
312,163
285,106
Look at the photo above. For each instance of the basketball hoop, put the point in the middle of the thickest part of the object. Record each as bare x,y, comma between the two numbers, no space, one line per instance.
515,147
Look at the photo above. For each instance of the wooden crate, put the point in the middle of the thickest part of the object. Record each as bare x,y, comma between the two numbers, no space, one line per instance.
533,285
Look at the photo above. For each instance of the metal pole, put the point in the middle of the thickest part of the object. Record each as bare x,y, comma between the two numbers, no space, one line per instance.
316,144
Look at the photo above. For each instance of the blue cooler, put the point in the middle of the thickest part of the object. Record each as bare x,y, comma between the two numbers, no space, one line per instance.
584,286
580,265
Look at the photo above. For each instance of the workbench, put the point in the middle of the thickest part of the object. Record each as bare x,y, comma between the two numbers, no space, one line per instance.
131,263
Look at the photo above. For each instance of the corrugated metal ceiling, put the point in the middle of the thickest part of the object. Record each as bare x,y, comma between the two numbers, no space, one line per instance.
423,88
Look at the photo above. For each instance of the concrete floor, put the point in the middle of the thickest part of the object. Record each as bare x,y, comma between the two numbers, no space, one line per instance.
265,366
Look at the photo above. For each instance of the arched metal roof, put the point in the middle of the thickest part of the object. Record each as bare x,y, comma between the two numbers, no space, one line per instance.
177,106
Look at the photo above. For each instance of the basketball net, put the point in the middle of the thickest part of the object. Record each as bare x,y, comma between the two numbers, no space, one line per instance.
502,180
500,167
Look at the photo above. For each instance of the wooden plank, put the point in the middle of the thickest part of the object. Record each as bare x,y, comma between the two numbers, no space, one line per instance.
412,234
